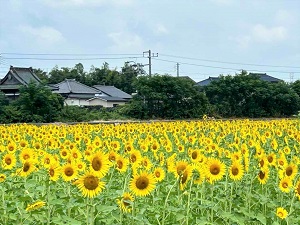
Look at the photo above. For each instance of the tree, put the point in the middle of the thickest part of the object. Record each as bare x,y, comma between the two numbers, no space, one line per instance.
246,95
42,75
167,97
37,103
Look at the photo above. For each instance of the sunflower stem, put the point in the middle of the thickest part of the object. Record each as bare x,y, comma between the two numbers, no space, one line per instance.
188,203
290,210
48,203
166,201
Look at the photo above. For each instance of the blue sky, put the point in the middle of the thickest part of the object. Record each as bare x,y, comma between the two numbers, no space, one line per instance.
206,37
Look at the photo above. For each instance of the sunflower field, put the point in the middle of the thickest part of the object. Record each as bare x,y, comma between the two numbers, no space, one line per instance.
180,172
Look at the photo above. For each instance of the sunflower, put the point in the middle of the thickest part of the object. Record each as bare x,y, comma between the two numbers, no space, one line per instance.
135,157
236,171
76,154
9,161
215,169
89,184
271,159
146,163
2,177
112,156
26,154
194,155
54,171
285,184
290,171
121,164
263,175
11,147
64,153
281,213
142,184
27,168
81,166
199,174
297,189
47,160
159,174
69,172
99,163
35,206
125,203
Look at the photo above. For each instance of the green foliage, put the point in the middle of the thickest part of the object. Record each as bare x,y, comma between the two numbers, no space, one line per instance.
247,96
166,97
38,104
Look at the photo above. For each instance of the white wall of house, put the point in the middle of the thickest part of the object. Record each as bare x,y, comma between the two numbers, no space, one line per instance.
75,101
98,101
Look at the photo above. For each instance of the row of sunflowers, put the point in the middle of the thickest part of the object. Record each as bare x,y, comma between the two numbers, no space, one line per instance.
196,172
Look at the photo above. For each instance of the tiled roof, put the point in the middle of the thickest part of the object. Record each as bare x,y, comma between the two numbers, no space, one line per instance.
109,99
113,91
22,75
72,86
265,77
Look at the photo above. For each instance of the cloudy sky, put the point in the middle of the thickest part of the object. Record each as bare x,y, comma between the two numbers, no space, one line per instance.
206,37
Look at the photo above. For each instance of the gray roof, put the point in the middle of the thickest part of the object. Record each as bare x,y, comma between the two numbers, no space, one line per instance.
109,99
22,75
113,91
72,86
207,81
265,77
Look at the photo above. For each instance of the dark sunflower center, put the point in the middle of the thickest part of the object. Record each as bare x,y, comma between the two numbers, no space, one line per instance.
194,155
120,164
26,167
26,156
69,171
298,189
133,158
270,159
142,183
91,182
261,175
184,177
51,172
47,161
10,148
235,171
64,153
214,170
96,164
8,161
125,201
75,155
284,185
157,174
289,171
262,163
180,169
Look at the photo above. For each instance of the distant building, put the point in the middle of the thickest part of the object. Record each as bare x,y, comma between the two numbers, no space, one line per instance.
17,77
76,93
262,76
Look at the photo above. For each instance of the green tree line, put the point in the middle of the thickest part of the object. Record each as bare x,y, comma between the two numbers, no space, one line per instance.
156,97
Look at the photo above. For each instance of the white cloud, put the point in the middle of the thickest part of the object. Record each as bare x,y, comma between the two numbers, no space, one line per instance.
160,29
222,2
86,3
285,17
125,41
42,35
261,33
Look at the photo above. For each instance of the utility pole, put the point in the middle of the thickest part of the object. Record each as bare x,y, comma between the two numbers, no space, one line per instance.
177,66
291,77
149,57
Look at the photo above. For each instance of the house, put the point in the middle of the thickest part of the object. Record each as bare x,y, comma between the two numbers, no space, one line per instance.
112,91
262,76
76,93
15,78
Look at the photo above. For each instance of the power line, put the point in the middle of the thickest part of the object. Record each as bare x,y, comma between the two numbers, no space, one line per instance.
68,54
234,63
68,59
227,68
